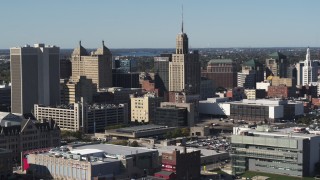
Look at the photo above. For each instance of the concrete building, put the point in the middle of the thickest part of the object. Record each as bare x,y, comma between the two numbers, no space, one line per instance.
171,116
200,131
185,165
277,65
28,135
309,70
73,91
116,95
94,161
255,93
223,72
252,72
184,97
208,158
277,81
6,163
35,77
143,108
149,85
258,110
135,132
161,70
190,107
281,91
280,151
96,66
85,118
184,69
213,106
263,85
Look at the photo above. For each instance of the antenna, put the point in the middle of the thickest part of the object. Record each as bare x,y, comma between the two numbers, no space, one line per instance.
182,17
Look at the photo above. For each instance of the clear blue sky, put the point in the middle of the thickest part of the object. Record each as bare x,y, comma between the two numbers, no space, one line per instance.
154,24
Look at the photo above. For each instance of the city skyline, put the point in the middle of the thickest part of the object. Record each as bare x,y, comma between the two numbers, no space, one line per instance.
151,24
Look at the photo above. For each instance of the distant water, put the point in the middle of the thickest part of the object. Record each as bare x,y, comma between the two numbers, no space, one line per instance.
137,53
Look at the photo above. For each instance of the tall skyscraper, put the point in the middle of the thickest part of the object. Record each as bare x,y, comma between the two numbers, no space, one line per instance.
161,70
309,70
34,77
277,65
184,69
97,66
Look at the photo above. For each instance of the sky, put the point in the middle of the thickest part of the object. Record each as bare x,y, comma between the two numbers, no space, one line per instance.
154,24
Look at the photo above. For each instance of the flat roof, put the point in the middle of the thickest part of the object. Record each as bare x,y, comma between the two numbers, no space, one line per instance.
204,152
116,149
285,132
147,127
86,151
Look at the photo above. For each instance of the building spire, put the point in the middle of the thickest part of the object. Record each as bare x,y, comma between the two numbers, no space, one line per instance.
308,54
80,43
182,18
102,42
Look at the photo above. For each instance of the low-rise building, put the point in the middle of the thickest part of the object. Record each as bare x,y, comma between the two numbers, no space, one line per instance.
281,151
6,163
281,91
134,132
269,110
172,116
143,108
192,115
185,164
28,135
209,158
83,117
94,161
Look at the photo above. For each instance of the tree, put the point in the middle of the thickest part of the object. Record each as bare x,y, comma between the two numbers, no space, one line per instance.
134,144
185,132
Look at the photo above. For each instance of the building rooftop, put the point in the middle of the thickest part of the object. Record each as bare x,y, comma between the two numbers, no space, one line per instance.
214,61
277,132
116,150
251,63
12,119
148,127
204,152
277,55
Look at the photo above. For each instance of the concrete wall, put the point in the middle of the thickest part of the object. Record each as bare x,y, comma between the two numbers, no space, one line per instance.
275,112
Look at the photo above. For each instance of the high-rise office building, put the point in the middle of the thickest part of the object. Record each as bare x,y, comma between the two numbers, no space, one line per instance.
65,68
277,65
34,77
184,69
161,70
309,70
252,72
96,66
223,72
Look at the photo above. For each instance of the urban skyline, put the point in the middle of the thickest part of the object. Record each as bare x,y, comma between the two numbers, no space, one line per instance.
145,24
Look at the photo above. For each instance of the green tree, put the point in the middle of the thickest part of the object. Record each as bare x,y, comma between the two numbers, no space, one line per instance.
185,132
134,144
121,142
